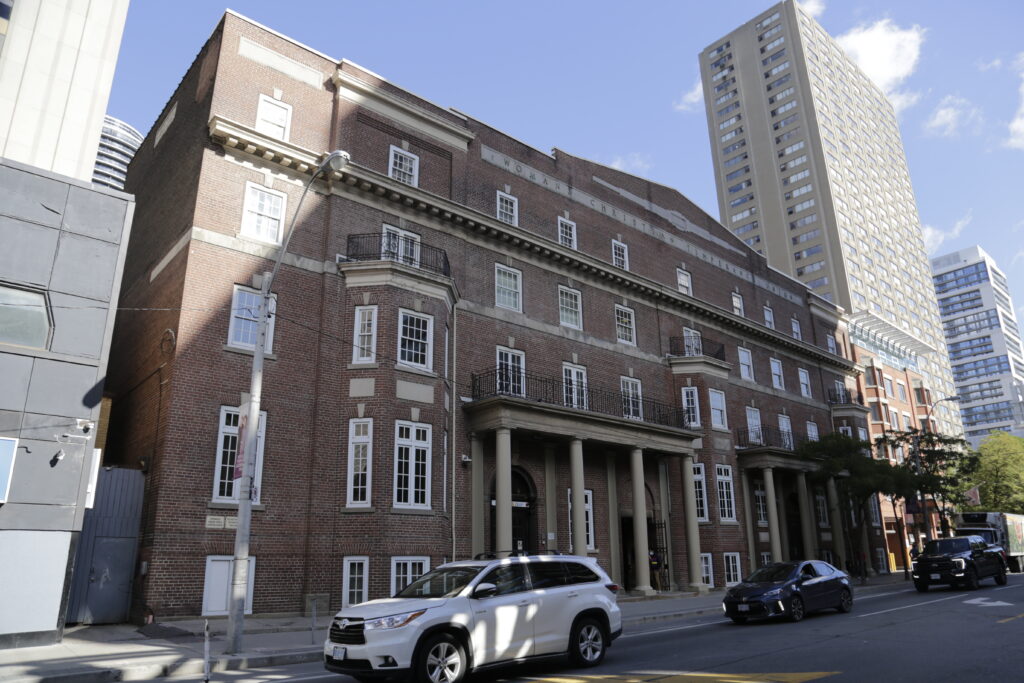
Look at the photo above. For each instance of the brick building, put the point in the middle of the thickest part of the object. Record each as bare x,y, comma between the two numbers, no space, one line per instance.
476,347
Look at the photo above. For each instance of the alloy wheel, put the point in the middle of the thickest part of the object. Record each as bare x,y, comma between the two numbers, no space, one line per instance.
444,663
590,643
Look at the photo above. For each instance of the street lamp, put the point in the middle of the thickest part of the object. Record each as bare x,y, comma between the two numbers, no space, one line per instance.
917,463
249,425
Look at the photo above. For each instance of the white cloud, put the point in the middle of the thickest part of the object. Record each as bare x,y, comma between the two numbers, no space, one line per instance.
951,115
1016,139
988,66
888,55
934,237
691,99
815,8
632,163
1019,256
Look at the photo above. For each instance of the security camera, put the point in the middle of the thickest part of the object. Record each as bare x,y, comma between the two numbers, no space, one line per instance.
84,426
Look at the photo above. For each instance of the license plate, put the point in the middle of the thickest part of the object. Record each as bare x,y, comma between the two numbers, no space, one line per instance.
339,653
935,577
742,608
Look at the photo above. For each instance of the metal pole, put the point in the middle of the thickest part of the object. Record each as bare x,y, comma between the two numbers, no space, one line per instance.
240,569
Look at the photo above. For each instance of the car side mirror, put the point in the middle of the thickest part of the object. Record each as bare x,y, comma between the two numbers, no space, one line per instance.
484,590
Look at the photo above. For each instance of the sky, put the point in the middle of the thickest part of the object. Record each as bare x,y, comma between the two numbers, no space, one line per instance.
617,83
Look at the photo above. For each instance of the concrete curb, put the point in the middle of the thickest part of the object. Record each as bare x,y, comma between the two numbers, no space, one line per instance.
167,666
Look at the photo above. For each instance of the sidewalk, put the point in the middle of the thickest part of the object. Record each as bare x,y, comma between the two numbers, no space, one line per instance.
123,652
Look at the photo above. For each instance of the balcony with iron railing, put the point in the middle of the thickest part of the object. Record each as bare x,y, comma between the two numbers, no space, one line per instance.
558,391
400,249
847,403
692,354
694,347
768,437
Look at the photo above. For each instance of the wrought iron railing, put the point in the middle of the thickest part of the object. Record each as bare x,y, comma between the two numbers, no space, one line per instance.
399,248
691,347
845,397
558,391
768,437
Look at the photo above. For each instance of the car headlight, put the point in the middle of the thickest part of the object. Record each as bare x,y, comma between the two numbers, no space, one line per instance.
959,562
775,592
393,621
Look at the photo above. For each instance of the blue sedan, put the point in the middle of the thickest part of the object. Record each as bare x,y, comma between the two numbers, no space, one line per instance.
789,589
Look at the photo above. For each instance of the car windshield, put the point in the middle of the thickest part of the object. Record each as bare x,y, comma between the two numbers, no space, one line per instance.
443,582
771,573
945,546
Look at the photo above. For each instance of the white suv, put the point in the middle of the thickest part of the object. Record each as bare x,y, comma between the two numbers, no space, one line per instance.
469,615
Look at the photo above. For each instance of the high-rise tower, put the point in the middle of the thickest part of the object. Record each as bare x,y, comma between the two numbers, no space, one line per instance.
118,144
811,172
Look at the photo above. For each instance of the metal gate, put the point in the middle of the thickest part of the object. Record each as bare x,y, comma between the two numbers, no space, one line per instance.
101,585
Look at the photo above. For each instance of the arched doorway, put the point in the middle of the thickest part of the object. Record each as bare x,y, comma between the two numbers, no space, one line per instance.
524,498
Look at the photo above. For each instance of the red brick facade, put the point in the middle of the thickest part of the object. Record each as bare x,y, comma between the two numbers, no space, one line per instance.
176,369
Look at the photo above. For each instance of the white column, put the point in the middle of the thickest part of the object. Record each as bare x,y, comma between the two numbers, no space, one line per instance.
641,556
692,528
773,515
806,516
838,537
503,491
579,506
749,521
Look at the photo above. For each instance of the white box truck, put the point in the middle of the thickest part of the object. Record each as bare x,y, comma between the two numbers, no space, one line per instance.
1002,528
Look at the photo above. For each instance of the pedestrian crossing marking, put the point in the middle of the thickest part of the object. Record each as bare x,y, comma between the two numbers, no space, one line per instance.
691,677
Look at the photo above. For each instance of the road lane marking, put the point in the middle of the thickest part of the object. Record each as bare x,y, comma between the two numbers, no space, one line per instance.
987,602
1003,621
916,604
689,677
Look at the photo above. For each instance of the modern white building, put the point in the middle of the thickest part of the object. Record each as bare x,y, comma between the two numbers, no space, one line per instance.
811,172
984,342
118,143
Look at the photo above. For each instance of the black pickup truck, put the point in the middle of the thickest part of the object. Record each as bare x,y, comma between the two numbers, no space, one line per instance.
962,561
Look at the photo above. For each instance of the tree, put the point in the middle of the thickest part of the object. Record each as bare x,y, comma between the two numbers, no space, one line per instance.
1000,473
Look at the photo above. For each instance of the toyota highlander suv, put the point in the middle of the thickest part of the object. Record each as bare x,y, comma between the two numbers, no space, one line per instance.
469,615
963,560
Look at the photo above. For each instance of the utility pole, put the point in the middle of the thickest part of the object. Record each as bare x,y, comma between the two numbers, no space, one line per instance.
249,429
927,522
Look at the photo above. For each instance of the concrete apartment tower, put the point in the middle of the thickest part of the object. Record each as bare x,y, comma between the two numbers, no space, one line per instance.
811,172
983,339
118,143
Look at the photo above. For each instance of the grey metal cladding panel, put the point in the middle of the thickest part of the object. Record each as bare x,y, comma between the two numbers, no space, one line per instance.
78,325
37,517
49,427
41,478
10,423
15,372
58,388
32,197
84,267
95,214
26,251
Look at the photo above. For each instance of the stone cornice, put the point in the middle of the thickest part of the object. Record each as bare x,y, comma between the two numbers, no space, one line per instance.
237,136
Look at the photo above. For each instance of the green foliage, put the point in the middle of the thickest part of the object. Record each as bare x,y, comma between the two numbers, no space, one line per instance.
940,466
1000,473
849,461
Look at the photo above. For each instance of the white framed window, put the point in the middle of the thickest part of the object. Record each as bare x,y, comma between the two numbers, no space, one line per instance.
570,308
769,317
684,282
812,431
821,509
355,580
8,453
707,570
737,303
786,431
726,501
761,504
574,385
846,431
412,465
588,519
805,382
508,208
407,568
274,118
754,432
830,343
364,335
360,462
732,568
400,245
511,372
632,399
625,325
415,339
508,288
700,491
862,433
620,255
794,325
778,381
875,511
766,558
692,342
263,213
404,166
746,364
225,481
217,585
566,233
245,318
718,416
691,406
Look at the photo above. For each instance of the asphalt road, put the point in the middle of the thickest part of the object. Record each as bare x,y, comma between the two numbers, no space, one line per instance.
895,635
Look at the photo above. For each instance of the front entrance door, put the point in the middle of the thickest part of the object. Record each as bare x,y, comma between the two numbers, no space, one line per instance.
524,539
